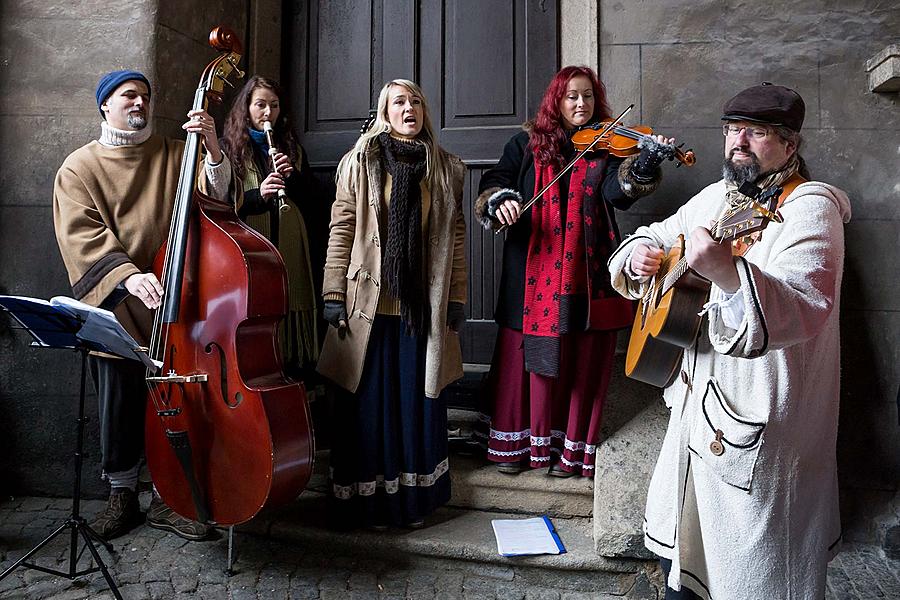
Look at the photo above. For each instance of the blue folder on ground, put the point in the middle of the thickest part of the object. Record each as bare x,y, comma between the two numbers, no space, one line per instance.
518,537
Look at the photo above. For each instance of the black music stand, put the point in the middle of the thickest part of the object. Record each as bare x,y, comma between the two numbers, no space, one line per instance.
63,326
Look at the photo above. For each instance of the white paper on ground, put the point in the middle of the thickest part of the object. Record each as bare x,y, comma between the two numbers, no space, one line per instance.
526,536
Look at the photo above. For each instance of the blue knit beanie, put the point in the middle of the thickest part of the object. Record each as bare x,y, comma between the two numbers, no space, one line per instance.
109,82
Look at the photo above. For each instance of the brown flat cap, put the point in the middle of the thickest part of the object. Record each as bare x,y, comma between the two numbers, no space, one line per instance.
767,103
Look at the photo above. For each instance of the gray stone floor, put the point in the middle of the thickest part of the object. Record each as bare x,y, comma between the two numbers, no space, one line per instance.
152,564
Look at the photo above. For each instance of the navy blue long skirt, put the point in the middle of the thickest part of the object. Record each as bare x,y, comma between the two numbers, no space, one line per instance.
389,450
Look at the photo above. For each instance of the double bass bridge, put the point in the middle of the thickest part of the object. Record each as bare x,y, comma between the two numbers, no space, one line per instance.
173,377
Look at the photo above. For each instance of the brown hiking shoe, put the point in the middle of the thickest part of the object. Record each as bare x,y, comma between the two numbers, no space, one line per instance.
121,515
160,516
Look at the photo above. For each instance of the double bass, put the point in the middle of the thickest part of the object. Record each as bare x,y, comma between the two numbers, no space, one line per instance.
226,432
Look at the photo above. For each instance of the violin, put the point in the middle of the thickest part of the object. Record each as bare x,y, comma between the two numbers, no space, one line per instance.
617,139
623,141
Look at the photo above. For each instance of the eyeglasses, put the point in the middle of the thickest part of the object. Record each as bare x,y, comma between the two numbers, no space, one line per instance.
757,133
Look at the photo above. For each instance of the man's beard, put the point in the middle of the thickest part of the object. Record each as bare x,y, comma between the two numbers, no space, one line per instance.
137,120
740,173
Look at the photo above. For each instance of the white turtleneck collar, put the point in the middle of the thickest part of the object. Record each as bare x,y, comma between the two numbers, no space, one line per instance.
110,136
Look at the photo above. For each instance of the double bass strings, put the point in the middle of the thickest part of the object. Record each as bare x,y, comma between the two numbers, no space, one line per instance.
160,332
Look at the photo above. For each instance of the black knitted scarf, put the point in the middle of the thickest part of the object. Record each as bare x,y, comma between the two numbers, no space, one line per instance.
401,258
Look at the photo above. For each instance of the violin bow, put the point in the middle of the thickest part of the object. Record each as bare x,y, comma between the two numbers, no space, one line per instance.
572,162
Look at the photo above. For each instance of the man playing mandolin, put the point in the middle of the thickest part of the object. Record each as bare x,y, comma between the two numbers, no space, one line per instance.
112,203
743,502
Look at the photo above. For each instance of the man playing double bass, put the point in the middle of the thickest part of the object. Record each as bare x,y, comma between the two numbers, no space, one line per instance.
743,502
112,204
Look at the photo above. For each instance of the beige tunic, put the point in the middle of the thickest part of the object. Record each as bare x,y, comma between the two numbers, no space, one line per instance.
111,210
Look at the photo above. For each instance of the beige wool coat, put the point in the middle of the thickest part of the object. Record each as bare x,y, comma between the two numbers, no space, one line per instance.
353,267
759,520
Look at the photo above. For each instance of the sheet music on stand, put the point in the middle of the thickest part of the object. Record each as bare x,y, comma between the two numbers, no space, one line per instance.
67,323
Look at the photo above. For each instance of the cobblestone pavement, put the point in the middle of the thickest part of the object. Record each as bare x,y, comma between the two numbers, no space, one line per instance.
152,564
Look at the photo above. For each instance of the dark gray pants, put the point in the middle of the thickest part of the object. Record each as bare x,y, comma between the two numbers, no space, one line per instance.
122,394
684,594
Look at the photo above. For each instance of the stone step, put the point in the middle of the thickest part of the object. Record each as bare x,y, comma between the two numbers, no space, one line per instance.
464,539
476,484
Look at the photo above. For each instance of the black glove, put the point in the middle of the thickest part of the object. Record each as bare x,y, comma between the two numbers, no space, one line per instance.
652,154
456,316
334,312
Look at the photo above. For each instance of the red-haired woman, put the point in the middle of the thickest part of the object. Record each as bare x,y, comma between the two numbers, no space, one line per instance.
557,313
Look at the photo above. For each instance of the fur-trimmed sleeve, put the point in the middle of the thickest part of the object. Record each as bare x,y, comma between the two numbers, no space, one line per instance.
633,188
342,233
459,280
502,179
488,201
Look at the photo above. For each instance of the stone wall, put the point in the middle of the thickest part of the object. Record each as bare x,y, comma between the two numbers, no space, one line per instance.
183,51
678,61
51,56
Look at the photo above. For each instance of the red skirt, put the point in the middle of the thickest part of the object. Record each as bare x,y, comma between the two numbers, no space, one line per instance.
545,419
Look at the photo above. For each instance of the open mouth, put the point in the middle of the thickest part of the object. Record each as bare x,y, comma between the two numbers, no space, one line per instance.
409,120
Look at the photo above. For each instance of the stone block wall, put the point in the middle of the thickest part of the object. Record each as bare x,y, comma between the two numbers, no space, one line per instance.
678,61
51,56
183,51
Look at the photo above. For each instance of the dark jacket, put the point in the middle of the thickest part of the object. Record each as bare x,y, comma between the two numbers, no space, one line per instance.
303,191
516,171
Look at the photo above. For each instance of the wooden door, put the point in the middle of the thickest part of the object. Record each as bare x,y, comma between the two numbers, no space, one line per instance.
483,65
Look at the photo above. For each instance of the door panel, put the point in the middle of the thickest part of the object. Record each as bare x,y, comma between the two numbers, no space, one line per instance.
483,65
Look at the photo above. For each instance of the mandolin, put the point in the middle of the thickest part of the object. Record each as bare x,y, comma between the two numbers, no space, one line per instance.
668,317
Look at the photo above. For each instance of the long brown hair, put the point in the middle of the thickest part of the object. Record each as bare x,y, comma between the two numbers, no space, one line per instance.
547,134
236,139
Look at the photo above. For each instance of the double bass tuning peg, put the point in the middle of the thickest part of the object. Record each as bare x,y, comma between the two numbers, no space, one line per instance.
224,78
234,66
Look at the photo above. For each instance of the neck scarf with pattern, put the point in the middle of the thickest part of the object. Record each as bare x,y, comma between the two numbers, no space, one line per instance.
561,267
734,199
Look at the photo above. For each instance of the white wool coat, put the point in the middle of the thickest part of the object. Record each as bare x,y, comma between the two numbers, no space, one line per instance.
761,520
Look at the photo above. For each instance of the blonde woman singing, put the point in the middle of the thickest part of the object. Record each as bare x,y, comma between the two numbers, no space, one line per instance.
394,292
